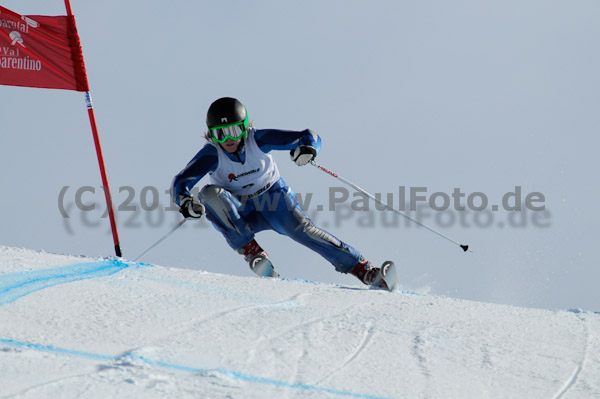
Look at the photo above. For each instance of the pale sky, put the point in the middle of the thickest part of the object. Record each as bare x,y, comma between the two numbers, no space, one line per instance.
481,96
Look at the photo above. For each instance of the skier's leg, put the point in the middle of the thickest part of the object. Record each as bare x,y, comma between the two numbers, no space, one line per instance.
344,257
223,211
286,217
238,224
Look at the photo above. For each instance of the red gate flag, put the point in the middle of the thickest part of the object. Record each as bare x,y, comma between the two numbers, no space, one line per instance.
40,51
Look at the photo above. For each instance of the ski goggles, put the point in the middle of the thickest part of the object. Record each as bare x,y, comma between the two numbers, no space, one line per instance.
235,131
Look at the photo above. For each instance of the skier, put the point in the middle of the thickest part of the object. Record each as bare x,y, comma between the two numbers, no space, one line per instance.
247,195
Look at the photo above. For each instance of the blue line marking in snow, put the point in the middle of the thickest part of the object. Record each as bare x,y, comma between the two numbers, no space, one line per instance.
54,349
409,293
227,373
16,285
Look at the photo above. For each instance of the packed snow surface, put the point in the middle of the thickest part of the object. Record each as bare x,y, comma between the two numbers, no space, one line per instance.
76,327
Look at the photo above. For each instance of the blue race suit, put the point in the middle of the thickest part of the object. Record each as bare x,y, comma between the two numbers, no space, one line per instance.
239,217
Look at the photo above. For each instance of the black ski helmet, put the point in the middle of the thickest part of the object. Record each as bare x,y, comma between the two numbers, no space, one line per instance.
226,111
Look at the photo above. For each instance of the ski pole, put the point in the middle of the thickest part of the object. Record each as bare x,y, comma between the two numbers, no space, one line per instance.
178,225
354,186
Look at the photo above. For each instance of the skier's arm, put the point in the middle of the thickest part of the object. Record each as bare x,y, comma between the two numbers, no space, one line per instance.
275,139
205,161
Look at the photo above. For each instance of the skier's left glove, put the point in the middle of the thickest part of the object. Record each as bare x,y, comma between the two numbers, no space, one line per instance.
190,208
303,154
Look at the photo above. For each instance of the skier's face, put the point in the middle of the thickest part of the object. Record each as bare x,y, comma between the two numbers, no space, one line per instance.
231,146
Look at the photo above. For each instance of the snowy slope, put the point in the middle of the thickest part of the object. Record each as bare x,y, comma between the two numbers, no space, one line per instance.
102,328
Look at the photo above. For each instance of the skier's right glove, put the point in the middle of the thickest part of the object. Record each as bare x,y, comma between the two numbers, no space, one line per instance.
190,208
303,154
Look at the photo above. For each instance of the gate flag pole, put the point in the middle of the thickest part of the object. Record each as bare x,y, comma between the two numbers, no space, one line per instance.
92,116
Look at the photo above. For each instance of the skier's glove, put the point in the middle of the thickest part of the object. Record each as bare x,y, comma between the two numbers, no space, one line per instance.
191,208
303,154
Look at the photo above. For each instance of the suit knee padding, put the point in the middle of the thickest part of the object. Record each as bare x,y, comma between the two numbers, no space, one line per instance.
210,192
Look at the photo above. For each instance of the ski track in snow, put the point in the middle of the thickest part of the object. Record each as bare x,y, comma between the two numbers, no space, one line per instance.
570,383
361,346
193,324
418,352
45,384
289,330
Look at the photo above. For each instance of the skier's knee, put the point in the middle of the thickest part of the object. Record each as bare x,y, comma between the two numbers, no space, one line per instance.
212,196
210,192
216,197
